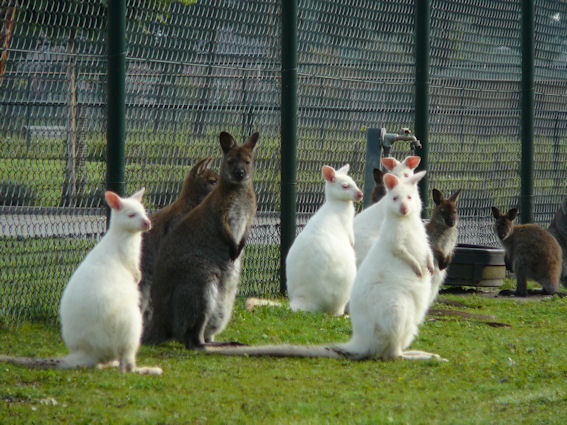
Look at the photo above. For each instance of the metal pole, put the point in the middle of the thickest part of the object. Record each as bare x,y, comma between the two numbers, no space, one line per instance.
527,112
288,132
373,155
116,108
422,24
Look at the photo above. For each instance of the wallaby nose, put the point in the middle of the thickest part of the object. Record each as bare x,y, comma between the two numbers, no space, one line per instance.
146,224
403,209
239,173
358,195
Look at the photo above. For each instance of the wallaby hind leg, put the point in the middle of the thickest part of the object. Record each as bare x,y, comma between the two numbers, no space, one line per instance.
549,287
421,355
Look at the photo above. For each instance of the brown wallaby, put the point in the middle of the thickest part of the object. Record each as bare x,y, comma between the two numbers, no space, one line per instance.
199,182
378,191
531,252
558,228
442,233
197,269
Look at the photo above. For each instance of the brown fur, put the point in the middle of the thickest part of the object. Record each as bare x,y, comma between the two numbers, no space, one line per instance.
378,191
558,228
531,252
200,181
198,265
442,228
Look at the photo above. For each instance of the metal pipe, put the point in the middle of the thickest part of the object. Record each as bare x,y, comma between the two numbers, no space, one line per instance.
115,108
288,132
527,112
422,25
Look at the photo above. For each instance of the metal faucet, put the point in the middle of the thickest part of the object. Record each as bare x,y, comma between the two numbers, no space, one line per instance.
388,139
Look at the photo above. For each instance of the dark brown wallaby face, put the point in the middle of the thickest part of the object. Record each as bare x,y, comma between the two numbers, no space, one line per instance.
379,190
446,209
201,181
237,166
504,223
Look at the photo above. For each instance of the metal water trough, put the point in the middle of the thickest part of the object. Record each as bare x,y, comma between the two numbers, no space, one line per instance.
475,265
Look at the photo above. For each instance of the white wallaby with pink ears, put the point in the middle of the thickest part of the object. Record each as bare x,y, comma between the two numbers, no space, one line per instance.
320,265
101,321
368,222
391,290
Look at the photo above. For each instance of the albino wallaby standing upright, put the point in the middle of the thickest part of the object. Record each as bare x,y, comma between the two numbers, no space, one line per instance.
391,291
200,181
558,228
101,320
197,269
367,223
378,191
320,265
442,232
531,252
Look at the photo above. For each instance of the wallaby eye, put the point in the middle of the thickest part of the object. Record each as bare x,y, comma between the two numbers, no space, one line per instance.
409,196
395,198
345,185
131,215
406,175
212,181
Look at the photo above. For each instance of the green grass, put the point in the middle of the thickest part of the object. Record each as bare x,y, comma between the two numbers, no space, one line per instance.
505,375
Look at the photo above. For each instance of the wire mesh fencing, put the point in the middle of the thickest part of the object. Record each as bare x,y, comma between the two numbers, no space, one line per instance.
197,68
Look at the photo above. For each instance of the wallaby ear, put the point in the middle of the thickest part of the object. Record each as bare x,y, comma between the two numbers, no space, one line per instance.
390,163
416,177
112,199
252,140
138,195
496,213
512,214
437,196
378,175
328,173
390,181
226,141
454,196
412,162
197,168
344,169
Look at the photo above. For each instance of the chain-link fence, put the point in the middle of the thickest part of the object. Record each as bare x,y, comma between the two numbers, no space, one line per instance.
196,68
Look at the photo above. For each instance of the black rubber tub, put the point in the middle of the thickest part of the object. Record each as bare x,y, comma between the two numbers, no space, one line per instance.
475,265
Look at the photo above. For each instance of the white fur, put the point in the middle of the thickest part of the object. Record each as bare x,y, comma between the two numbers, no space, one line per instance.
391,291
368,222
100,314
320,265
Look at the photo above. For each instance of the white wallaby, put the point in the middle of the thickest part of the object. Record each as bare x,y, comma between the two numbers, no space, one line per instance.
391,291
320,265
367,223
101,321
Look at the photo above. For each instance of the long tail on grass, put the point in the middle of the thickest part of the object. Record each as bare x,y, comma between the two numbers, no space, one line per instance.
35,362
284,350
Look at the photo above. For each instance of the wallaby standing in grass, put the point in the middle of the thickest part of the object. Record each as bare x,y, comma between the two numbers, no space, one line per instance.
197,270
101,320
320,265
531,252
442,232
391,291
368,222
558,228
378,191
200,181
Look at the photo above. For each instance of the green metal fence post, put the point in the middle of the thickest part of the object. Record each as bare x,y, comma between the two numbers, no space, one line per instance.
116,108
527,112
288,132
422,24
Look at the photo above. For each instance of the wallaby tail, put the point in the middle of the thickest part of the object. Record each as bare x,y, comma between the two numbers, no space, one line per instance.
34,362
284,350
